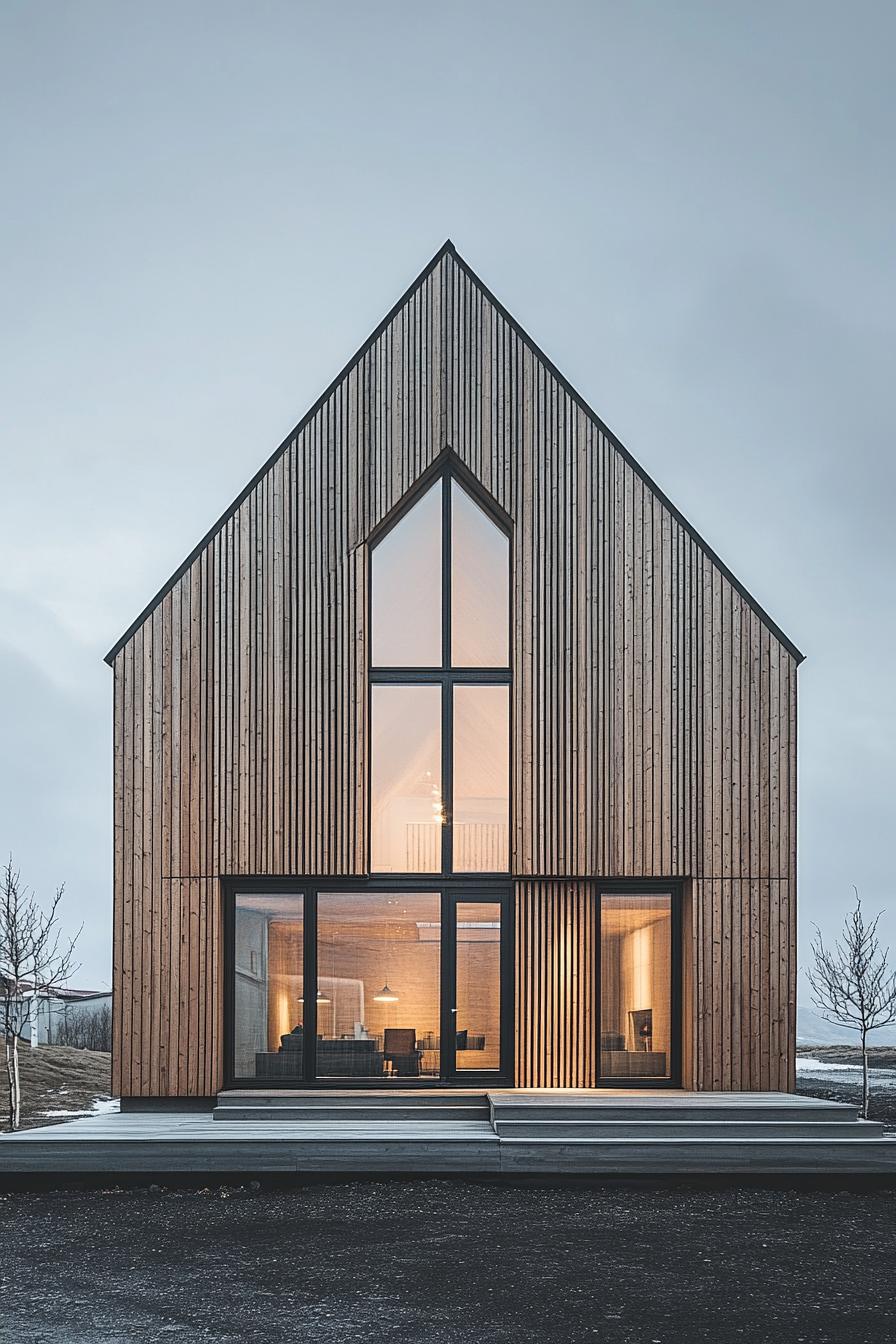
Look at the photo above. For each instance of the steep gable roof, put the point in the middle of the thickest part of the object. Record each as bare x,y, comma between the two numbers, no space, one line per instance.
448,250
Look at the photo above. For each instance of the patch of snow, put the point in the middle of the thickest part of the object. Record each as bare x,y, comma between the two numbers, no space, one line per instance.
821,1070
99,1106
805,1064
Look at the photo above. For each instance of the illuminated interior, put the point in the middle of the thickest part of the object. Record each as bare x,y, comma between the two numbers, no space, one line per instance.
635,986
378,992
440,600
379,958
268,989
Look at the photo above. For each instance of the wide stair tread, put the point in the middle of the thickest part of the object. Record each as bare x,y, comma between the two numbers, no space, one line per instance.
830,1112
329,1100
351,1114
747,1131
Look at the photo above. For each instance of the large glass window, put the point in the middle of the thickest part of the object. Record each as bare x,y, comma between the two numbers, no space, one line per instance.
440,740
268,991
406,588
635,985
478,1017
406,779
379,958
481,778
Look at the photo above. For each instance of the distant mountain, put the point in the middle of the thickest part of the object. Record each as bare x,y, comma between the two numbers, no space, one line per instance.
812,1029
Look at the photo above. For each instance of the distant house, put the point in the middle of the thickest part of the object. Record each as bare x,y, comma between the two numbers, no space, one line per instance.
61,1007
453,754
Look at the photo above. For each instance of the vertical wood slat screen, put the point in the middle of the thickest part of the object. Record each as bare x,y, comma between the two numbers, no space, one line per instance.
555,984
653,709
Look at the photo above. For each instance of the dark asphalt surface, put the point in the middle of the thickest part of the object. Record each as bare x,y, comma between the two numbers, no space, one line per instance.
448,1263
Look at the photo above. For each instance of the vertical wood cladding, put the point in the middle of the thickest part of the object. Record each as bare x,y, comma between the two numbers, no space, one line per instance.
653,708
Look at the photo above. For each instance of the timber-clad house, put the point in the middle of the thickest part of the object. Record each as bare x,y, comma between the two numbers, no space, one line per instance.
453,755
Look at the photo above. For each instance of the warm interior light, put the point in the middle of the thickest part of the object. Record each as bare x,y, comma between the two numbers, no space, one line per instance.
386,995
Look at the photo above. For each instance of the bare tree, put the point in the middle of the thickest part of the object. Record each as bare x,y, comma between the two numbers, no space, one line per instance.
852,984
34,960
88,1029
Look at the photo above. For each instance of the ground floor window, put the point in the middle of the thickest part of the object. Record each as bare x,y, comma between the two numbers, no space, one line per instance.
410,980
636,974
370,984
268,985
379,972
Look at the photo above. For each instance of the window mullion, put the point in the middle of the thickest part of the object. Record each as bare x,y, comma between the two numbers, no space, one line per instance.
447,688
446,573
447,776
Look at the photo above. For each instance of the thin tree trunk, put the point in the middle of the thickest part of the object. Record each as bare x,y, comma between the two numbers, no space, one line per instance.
864,1076
10,1078
17,1116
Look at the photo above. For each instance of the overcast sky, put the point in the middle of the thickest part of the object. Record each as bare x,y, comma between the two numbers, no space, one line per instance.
206,207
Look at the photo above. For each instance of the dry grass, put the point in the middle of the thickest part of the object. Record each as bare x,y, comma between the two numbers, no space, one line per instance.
56,1078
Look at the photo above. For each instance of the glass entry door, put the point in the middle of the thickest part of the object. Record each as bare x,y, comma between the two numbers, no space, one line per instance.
476,1031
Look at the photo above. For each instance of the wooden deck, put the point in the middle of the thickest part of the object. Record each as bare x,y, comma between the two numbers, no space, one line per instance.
544,1133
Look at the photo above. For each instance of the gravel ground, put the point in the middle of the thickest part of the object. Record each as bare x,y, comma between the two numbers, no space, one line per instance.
448,1263
846,1084
882,1106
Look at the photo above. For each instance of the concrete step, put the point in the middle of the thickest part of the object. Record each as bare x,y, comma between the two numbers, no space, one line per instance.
348,1115
665,1157
707,1131
635,1111
324,1098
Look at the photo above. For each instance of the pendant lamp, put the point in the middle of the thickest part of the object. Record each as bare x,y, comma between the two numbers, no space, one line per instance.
386,995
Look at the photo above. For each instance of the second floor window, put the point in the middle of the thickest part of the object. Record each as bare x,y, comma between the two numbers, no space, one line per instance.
440,688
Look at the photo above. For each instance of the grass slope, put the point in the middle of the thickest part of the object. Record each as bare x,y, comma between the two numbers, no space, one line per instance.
56,1078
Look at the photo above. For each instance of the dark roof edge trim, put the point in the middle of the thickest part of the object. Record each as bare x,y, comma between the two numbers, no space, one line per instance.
446,249
633,463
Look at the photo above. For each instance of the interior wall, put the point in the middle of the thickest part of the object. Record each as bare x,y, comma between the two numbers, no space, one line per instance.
409,966
645,979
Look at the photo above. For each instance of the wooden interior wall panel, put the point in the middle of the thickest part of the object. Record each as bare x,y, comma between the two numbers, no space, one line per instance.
653,710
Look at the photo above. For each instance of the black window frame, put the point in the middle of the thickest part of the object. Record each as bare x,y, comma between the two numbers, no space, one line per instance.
633,886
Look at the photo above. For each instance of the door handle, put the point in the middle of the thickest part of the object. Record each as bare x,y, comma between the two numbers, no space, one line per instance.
454,1010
